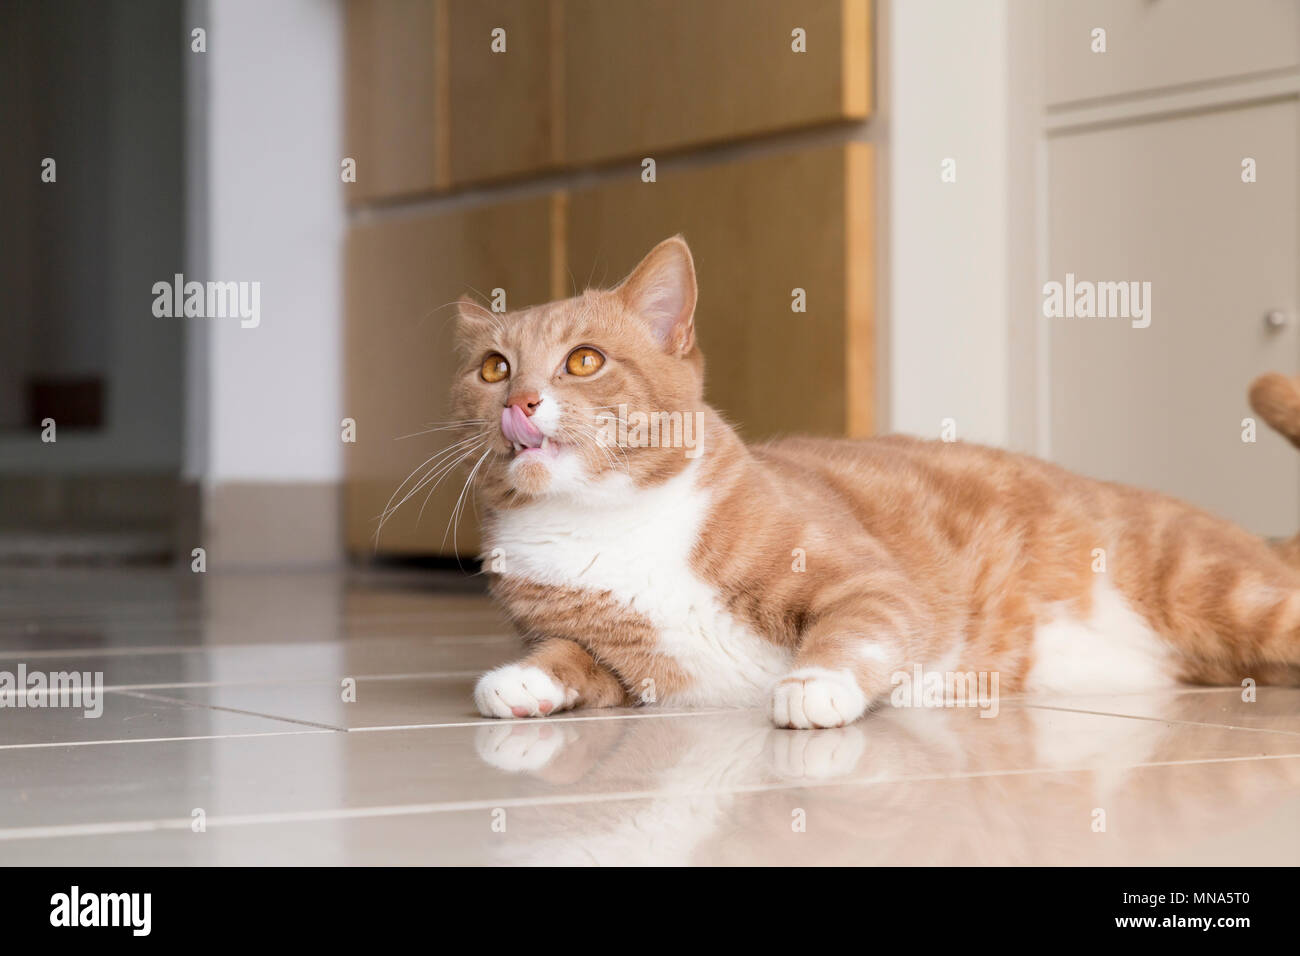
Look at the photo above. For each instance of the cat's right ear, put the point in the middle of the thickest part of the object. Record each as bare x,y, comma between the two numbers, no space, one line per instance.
661,290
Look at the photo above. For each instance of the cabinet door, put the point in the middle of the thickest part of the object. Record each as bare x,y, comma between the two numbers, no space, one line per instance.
404,277
759,230
501,103
392,128
1162,406
655,75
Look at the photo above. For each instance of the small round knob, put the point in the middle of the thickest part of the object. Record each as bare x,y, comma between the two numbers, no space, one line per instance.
1277,319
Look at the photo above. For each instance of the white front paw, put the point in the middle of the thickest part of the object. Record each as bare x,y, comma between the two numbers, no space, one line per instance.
521,690
817,697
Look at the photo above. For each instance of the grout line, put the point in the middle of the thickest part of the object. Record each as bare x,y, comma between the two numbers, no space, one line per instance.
494,721
318,728
498,721
422,809
233,710
155,649
21,624
157,740
294,681
1164,720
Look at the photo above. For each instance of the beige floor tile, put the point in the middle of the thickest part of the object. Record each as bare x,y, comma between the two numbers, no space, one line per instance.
390,702
238,681
307,662
1272,708
122,717
581,761
101,609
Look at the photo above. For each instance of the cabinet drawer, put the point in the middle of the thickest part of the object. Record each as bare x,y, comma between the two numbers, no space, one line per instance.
500,106
1161,43
647,75
391,126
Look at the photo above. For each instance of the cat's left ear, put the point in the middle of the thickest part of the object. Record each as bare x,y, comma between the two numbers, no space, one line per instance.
472,316
661,290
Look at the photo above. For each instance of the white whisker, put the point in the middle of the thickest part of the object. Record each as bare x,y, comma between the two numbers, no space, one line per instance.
443,462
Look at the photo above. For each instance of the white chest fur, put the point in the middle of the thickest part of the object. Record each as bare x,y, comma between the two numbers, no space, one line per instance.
636,544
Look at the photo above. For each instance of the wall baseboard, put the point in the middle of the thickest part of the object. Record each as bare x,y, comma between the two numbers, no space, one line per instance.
87,501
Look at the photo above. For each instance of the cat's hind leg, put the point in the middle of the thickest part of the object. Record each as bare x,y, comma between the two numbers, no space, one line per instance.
1227,602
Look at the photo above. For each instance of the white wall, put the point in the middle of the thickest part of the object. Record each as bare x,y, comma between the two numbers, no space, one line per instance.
948,342
266,401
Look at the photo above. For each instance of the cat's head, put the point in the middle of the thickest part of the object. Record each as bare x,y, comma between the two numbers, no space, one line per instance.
562,393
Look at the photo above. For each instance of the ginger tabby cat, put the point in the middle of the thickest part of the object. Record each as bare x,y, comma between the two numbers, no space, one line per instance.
641,567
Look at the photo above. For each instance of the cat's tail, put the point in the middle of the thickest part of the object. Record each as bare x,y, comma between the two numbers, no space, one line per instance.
1276,399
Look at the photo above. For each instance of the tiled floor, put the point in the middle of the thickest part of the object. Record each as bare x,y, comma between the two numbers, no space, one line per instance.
225,697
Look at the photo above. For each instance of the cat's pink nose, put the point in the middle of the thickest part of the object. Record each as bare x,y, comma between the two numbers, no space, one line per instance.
526,402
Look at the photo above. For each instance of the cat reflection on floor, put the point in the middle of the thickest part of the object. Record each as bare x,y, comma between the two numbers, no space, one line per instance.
1037,785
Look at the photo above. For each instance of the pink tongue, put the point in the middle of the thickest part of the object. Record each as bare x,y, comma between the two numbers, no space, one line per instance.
517,428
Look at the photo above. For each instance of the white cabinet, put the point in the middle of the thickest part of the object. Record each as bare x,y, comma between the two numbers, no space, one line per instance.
1153,44
1163,201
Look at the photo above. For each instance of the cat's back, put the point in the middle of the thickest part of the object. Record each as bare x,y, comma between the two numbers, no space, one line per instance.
918,465
893,484
970,495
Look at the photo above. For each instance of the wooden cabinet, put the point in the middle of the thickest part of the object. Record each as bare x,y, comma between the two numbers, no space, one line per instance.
760,230
447,93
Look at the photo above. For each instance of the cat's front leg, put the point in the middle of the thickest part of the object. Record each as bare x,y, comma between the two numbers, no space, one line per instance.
845,661
558,675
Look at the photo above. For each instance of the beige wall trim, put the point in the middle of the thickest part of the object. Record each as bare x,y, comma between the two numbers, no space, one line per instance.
856,37
247,524
107,518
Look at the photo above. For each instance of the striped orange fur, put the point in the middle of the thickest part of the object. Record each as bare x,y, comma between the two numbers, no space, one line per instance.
806,574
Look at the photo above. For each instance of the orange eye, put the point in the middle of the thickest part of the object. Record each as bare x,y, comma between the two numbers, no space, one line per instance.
494,368
584,361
